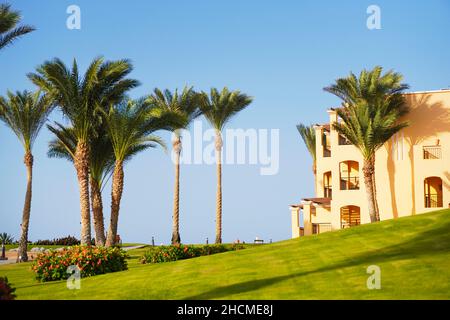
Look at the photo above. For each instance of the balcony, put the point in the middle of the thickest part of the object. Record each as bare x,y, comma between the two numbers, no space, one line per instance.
433,200
432,152
349,183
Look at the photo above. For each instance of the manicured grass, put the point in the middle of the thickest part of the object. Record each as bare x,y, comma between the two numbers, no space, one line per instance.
413,254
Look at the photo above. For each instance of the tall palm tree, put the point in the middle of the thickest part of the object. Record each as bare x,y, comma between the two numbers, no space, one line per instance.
219,108
308,134
101,164
371,115
130,126
185,105
25,113
9,31
79,98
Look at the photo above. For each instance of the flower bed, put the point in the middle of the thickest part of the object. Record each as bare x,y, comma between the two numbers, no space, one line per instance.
179,252
90,261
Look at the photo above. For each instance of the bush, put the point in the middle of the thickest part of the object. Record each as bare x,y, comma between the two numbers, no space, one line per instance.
66,241
6,291
179,252
90,261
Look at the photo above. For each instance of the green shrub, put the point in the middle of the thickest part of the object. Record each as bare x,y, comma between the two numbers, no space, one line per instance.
66,241
90,261
6,291
179,252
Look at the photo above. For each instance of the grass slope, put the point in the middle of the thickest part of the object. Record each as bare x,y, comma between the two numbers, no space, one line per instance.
413,254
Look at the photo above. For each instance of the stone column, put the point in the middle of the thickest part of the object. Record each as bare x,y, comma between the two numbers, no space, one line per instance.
295,215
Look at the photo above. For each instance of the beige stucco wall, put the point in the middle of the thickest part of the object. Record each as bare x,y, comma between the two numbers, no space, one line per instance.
400,168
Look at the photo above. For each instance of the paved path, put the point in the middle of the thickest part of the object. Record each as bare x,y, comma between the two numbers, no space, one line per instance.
131,248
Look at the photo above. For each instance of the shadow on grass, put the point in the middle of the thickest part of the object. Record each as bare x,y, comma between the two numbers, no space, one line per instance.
430,242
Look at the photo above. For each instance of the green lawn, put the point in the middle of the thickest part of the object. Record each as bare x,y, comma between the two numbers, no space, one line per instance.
413,254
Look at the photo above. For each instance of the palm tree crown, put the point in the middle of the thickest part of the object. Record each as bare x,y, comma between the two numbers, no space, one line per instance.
373,105
220,107
25,113
104,83
130,127
184,104
9,31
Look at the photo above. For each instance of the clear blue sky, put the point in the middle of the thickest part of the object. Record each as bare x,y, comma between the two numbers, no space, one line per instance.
281,52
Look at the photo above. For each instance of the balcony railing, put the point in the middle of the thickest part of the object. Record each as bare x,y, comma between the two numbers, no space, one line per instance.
433,200
349,183
432,152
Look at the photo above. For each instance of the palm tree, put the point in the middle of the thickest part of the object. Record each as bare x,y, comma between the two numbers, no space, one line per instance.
101,164
130,125
185,105
79,99
25,113
9,31
308,134
373,106
219,108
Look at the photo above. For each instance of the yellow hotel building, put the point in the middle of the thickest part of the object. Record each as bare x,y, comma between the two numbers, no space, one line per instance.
412,171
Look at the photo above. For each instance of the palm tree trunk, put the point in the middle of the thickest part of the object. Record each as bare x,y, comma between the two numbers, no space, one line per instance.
22,255
176,200
97,213
377,210
116,196
368,170
81,163
219,187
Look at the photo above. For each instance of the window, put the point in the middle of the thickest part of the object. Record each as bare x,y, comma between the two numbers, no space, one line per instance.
349,175
433,192
327,191
326,144
350,216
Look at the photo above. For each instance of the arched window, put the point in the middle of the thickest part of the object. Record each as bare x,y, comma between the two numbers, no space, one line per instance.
327,191
433,192
350,216
349,175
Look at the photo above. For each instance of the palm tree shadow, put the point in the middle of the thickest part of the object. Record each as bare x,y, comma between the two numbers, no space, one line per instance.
430,242
427,119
